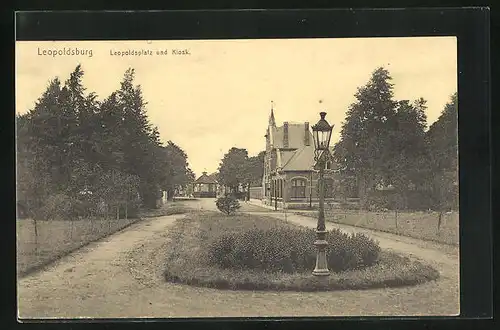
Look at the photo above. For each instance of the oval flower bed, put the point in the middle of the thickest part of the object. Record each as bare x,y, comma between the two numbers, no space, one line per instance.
247,252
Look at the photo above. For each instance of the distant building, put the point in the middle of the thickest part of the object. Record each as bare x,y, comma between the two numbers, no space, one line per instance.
205,186
289,177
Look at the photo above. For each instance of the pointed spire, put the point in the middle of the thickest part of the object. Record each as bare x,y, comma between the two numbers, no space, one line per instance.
272,122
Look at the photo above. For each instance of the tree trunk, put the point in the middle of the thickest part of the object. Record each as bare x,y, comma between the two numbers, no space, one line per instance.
248,191
405,199
170,194
363,198
36,236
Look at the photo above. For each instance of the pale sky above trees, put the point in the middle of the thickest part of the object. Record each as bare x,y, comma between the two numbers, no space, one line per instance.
220,95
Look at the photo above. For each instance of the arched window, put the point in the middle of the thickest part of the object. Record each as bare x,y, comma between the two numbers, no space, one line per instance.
299,188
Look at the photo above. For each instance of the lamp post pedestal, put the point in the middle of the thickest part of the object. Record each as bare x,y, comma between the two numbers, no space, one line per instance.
321,268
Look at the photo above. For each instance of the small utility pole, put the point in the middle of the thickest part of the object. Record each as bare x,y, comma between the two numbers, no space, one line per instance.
275,196
310,190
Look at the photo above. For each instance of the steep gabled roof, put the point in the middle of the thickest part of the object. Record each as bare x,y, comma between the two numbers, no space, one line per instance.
204,178
302,160
285,156
296,135
213,176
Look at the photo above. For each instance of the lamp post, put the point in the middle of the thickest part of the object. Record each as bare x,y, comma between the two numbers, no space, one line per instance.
322,133
275,195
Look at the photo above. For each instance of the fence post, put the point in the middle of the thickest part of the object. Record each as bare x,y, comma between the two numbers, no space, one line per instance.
439,221
396,218
36,236
284,210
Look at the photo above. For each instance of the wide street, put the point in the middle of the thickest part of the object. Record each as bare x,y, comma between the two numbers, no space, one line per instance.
121,276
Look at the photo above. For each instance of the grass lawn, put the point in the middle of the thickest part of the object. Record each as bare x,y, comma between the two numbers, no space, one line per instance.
186,261
56,238
422,225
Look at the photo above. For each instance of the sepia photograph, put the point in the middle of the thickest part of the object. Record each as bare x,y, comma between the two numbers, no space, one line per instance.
237,178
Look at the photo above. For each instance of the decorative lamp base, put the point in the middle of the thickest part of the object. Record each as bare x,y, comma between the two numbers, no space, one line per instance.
321,272
321,268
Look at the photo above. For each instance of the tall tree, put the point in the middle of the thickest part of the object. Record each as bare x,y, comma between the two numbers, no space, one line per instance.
139,140
442,143
41,145
233,168
407,160
179,174
70,143
73,123
255,169
364,145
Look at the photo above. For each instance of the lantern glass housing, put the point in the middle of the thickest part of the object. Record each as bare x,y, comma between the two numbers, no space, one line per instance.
322,132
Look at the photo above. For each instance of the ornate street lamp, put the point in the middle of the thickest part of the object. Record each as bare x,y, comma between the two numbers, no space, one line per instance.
322,133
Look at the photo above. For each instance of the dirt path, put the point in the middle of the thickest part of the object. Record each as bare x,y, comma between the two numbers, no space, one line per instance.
121,277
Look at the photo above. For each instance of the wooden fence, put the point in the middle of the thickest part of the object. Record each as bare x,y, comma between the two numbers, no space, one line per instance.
434,226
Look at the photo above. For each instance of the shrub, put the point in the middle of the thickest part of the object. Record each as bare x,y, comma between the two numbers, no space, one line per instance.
240,195
133,208
354,251
290,250
227,204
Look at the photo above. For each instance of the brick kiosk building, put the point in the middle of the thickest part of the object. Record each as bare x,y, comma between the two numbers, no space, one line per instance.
289,179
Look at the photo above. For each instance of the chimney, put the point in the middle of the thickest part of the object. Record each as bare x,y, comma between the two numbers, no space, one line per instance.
306,134
285,134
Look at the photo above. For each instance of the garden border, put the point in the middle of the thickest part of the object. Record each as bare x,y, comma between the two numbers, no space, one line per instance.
394,270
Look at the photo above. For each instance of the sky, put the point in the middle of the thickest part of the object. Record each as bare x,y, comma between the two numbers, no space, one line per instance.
216,94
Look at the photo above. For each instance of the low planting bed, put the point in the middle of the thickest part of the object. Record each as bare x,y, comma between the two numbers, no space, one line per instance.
247,252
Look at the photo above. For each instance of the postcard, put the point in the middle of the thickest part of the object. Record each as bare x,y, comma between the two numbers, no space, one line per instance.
237,178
